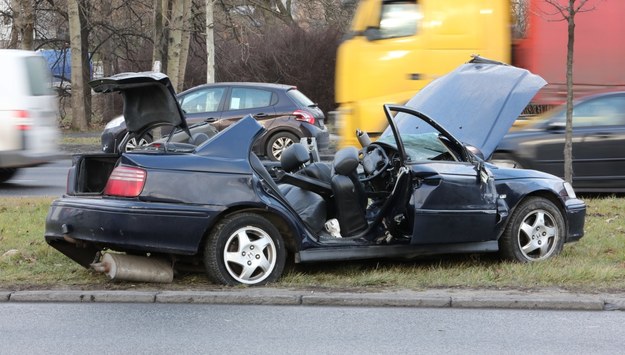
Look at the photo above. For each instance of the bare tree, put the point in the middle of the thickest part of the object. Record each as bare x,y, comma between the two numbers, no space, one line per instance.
567,12
79,109
210,41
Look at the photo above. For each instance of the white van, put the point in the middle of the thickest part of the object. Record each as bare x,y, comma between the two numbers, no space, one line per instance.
29,133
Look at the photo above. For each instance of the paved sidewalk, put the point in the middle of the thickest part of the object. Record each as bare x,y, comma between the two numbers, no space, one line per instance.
441,298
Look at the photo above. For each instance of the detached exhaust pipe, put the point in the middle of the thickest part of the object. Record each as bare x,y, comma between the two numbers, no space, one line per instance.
135,268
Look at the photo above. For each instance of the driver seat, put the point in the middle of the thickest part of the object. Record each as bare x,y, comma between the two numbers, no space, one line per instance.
350,200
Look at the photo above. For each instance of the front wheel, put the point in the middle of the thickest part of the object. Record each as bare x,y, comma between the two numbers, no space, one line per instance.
137,142
246,249
278,143
535,231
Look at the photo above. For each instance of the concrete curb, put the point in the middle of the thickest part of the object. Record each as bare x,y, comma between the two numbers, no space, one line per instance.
554,300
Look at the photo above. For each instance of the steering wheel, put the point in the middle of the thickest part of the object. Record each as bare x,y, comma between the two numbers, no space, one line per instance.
374,161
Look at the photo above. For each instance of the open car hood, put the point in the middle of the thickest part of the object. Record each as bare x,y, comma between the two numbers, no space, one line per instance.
479,101
149,99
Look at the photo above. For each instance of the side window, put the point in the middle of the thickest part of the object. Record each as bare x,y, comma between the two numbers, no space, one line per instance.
399,19
39,76
206,100
245,98
605,111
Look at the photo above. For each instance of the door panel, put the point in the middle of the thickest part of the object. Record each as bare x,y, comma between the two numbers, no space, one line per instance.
454,205
248,101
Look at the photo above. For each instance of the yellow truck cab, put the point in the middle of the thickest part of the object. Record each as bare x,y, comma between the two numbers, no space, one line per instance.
394,48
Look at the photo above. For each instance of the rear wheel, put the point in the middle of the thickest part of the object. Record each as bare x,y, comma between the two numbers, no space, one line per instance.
278,143
7,173
244,248
535,231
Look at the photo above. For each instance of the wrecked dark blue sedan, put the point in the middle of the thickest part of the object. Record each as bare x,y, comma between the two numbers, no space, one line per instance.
421,189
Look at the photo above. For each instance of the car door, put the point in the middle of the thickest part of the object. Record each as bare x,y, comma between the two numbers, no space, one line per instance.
203,104
598,141
453,203
255,101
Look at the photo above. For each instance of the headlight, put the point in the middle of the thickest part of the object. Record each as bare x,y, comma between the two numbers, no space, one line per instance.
115,122
569,190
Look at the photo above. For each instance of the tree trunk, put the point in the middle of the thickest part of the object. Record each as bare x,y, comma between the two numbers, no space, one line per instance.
568,136
184,48
28,24
106,56
175,41
79,115
210,42
16,25
159,36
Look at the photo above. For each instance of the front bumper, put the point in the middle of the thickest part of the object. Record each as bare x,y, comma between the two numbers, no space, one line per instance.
92,224
576,216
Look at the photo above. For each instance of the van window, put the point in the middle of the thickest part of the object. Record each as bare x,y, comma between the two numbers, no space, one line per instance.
39,78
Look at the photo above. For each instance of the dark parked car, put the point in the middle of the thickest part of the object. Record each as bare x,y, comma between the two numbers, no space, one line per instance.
421,190
598,144
285,112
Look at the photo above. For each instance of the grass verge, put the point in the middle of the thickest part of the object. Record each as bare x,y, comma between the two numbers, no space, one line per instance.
594,264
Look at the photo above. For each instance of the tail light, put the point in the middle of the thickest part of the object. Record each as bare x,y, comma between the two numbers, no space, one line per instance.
23,123
304,116
125,182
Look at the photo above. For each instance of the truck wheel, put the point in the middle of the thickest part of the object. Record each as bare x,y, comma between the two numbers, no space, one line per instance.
244,248
278,143
535,231
7,173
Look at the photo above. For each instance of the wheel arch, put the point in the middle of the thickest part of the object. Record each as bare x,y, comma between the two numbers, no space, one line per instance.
286,229
271,133
548,195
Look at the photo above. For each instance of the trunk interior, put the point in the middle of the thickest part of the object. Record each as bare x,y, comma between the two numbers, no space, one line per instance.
90,172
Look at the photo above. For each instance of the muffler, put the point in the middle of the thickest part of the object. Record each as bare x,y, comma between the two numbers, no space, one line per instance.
135,268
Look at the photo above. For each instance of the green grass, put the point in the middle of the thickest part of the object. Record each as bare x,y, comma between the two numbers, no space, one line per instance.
80,140
594,264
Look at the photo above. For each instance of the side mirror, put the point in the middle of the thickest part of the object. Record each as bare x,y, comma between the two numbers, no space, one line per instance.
475,151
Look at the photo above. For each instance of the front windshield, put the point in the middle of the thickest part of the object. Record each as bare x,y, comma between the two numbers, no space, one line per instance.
421,140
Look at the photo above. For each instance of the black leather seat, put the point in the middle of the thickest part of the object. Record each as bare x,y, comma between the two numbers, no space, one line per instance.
294,159
350,200
310,206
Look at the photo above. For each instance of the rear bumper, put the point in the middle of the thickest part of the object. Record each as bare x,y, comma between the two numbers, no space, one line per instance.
126,225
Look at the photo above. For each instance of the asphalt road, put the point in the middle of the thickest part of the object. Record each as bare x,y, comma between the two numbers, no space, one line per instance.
44,180
34,328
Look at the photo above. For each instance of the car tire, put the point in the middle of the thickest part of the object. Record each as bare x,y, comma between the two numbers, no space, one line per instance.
278,143
133,143
535,231
7,173
244,248
506,160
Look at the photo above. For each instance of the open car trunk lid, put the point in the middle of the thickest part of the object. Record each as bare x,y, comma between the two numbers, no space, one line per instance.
149,99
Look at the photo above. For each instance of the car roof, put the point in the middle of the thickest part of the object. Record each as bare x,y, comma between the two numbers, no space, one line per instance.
248,84
17,53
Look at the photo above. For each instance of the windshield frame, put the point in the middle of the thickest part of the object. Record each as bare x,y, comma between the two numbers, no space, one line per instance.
393,129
